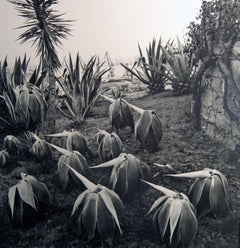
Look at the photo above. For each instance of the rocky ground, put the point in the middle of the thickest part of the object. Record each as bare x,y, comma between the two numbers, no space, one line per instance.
182,147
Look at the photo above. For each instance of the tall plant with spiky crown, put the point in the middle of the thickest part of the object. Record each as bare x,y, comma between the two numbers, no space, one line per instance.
45,27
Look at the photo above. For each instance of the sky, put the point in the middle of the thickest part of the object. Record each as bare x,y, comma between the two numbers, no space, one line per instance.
100,26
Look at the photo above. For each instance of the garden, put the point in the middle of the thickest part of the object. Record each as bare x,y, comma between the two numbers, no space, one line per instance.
101,166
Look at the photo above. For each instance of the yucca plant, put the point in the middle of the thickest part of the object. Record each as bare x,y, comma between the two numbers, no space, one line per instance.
11,143
109,145
81,87
209,193
116,92
26,198
120,114
180,69
4,157
97,211
74,159
75,141
126,173
150,71
174,217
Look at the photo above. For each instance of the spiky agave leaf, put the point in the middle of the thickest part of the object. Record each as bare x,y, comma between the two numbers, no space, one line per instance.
148,130
11,143
4,157
126,173
209,192
97,210
74,159
28,191
110,145
120,115
174,217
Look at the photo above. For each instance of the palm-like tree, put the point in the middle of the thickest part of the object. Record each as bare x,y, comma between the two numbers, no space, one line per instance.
45,28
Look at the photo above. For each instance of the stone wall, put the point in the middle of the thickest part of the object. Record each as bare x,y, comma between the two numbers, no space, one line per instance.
215,121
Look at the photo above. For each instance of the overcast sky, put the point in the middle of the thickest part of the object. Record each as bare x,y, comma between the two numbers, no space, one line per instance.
116,26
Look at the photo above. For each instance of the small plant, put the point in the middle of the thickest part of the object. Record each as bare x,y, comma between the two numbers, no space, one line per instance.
28,193
119,114
97,211
116,92
174,217
150,71
4,157
148,129
74,159
126,173
81,91
109,145
209,193
11,143
75,141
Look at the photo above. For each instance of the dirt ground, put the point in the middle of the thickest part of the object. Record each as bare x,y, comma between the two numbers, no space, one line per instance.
181,147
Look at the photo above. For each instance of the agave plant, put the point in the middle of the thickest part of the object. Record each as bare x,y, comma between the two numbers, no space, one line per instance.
81,91
119,114
97,211
209,193
75,141
150,71
28,193
109,145
74,159
174,217
23,102
126,173
39,148
180,68
11,143
4,157
148,129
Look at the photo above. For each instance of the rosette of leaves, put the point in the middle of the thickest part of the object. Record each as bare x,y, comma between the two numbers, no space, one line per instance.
120,114
148,129
97,211
209,193
11,143
26,198
174,217
109,145
75,141
126,173
4,157
81,84
75,160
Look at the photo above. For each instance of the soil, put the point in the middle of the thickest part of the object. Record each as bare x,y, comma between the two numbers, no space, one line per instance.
182,147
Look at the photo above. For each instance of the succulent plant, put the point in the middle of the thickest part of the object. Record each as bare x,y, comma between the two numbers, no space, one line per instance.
109,145
120,114
75,141
97,211
174,217
209,192
126,173
11,143
29,192
74,159
4,157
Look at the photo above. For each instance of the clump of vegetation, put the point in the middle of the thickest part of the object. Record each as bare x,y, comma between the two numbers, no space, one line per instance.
97,211
26,198
109,145
4,157
174,217
209,193
81,85
150,70
126,173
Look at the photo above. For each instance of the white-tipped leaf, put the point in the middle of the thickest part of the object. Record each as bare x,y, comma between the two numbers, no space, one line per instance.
79,200
194,174
11,198
108,98
137,109
62,134
60,149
